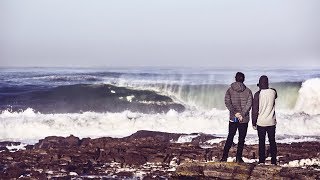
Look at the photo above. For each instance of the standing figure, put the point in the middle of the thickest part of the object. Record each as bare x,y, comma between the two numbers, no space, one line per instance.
238,100
264,118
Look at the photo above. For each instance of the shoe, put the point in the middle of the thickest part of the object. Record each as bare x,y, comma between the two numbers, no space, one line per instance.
261,163
239,160
223,159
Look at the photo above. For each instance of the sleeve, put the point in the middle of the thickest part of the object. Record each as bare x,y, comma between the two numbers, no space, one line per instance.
276,95
255,108
227,101
248,106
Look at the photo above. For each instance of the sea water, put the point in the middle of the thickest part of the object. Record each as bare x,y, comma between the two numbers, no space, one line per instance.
200,90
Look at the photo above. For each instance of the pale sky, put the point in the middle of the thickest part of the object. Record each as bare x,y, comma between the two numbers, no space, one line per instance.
160,33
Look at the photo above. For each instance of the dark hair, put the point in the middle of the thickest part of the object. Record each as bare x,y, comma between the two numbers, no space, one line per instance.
240,77
263,82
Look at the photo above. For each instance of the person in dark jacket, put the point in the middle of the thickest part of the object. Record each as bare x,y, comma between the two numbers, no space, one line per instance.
264,118
238,100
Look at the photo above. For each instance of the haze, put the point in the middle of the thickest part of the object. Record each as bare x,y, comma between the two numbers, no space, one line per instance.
159,33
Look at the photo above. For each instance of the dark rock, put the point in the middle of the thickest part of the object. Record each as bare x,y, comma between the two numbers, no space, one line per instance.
124,174
58,142
160,136
217,170
58,156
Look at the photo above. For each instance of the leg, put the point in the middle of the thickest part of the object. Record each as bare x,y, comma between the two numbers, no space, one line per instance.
227,146
243,127
262,143
271,130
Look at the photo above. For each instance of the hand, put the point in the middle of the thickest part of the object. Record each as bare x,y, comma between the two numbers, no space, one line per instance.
239,116
254,127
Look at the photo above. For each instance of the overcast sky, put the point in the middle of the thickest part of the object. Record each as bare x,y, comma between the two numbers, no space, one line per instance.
159,33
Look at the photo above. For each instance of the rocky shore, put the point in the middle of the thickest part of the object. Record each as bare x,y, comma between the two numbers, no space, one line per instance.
149,155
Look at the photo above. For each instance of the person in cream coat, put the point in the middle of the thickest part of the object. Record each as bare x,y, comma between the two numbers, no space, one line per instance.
264,118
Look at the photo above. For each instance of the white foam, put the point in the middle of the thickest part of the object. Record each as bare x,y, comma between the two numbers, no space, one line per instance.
309,97
215,141
13,148
73,174
28,125
303,163
129,98
186,138
290,140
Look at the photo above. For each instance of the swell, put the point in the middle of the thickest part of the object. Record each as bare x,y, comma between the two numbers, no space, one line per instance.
84,97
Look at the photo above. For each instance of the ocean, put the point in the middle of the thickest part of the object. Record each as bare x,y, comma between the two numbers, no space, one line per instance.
116,102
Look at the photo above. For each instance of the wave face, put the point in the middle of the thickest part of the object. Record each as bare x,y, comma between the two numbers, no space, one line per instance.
84,97
196,88
207,96
38,102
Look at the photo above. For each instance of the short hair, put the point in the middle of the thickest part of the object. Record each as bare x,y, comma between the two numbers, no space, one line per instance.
240,77
263,82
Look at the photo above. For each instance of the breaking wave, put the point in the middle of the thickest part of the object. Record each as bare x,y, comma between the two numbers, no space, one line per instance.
28,125
208,96
309,97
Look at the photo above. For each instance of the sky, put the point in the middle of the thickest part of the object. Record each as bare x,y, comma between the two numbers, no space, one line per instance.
197,33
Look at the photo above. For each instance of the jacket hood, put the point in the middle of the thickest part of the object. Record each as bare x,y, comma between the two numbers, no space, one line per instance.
238,86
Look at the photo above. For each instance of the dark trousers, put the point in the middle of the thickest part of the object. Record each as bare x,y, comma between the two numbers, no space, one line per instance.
242,128
271,130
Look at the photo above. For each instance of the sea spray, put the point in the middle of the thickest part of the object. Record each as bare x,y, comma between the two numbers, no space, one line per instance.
28,125
309,97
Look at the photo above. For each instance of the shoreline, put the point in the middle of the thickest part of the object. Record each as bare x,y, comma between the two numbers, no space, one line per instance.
150,154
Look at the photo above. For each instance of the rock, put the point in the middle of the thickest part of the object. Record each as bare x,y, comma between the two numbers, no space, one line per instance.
152,154
124,174
223,170
227,170
266,172
134,158
57,142
191,170
160,136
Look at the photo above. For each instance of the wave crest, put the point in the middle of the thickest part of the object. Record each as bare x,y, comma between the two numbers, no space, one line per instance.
28,124
309,97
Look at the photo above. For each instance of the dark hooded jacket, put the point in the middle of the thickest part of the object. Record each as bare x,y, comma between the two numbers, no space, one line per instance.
238,98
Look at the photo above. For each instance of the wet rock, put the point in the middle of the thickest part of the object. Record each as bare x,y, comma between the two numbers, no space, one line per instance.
124,174
154,153
217,170
57,142
160,136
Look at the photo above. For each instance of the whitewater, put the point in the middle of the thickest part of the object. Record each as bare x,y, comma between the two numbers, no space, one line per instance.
201,91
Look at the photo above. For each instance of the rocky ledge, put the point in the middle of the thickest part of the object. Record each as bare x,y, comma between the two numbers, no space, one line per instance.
148,155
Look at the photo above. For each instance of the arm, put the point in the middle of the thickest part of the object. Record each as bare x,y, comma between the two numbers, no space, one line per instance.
248,106
275,92
227,101
255,108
